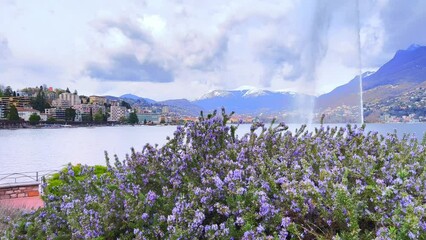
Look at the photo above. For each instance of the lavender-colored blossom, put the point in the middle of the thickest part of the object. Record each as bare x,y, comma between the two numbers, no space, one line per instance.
218,182
265,208
239,221
260,228
285,222
207,179
412,235
248,235
151,197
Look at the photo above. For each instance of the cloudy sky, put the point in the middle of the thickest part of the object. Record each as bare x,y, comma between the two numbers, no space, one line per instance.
165,49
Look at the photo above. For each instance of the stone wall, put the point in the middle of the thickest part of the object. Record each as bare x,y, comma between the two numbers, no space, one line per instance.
19,191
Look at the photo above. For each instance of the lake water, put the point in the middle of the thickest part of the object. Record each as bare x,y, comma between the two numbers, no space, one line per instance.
25,150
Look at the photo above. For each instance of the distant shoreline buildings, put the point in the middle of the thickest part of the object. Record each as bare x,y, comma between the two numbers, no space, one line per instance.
62,106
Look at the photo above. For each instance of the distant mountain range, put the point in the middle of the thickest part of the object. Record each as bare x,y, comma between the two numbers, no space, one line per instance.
249,101
405,72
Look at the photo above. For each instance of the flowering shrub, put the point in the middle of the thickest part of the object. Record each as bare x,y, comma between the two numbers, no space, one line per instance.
209,183
8,214
55,182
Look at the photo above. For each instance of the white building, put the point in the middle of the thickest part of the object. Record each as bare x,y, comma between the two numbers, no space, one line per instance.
117,113
66,100
72,98
25,113
165,109
43,117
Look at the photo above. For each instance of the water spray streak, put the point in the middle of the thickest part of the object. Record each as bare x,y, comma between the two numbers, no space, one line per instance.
360,62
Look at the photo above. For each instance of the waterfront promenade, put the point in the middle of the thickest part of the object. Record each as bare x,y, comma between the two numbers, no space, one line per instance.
22,190
27,203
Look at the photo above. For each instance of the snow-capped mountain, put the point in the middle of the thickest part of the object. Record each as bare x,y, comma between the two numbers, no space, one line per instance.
213,94
250,100
254,93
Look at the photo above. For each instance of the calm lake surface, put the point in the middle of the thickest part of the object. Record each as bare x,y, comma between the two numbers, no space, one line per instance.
26,150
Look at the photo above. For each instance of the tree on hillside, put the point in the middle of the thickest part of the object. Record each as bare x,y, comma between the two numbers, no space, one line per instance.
39,102
58,91
8,92
13,115
29,91
133,118
34,119
70,114
125,104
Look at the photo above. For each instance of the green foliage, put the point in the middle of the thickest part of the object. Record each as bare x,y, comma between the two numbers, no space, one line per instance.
133,118
8,92
98,117
13,115
56,183
70,114
7,215
122,119
40,102
206,182
51,120
125,104
34,119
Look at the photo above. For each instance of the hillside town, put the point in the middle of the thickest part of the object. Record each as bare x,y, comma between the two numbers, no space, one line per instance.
58,106
62,106
409,107
48,106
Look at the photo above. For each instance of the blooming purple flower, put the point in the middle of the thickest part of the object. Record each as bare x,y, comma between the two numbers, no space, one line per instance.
285,222
260,228
205,179
264,209
151,197
239,221
218,182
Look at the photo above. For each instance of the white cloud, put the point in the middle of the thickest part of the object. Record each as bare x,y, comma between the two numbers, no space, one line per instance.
154,24
185,48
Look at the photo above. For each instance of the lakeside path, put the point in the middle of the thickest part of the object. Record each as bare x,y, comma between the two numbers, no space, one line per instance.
27,203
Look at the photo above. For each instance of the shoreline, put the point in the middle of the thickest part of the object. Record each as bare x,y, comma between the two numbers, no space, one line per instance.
71,125
17,126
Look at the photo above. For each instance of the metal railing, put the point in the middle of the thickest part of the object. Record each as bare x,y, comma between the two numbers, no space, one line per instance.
25,177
